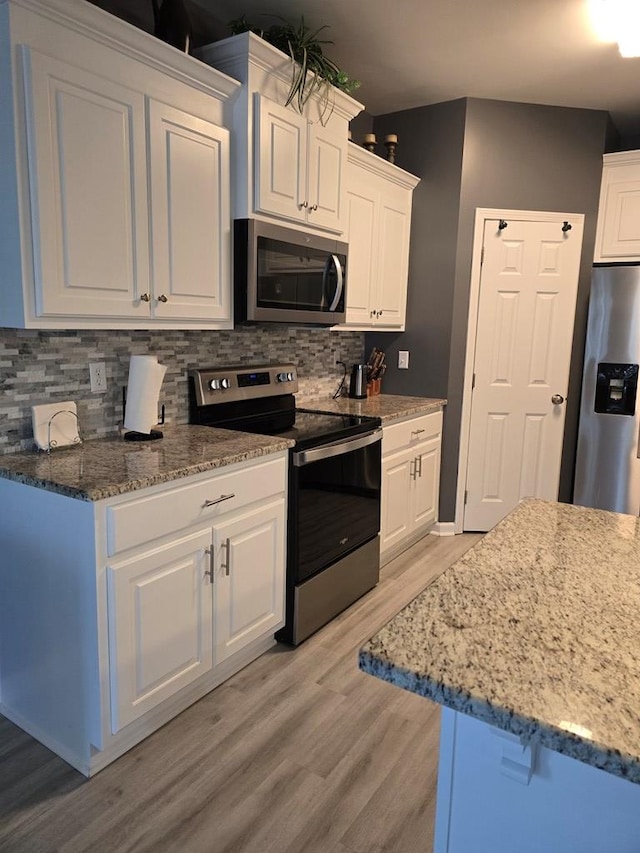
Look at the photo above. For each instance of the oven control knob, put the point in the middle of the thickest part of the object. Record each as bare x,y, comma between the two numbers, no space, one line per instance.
214,384
281,377
225,383
290,377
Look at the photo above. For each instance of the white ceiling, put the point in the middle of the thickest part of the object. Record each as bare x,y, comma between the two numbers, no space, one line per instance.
409,53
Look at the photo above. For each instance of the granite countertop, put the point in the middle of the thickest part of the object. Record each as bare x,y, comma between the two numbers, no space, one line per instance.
535,630
103,468
387,407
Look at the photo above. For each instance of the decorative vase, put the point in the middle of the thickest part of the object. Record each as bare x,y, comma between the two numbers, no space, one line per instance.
171,23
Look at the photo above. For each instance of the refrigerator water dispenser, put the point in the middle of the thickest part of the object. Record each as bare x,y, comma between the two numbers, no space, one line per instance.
616,387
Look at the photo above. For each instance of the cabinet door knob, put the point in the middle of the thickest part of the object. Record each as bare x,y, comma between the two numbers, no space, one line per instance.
303,204
162,298
313,207
145,297
217,501
372,313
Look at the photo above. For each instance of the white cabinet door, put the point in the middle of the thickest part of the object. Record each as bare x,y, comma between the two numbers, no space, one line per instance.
299,168
362,206
280,161
619,219
87,173
393,258
249,577
378,227
395,513
160,624
426,485
190,217
327,154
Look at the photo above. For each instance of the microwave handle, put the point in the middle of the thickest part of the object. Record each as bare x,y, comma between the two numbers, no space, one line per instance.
339,279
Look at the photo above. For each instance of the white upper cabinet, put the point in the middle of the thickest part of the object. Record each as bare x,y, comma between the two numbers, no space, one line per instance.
618,231
379,197
87,174
191,219
292,166
117,209
299,167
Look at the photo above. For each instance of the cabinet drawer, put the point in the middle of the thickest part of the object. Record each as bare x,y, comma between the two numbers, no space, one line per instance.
145,519
410,432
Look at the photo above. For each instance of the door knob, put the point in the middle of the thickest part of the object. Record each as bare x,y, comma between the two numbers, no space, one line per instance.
557,399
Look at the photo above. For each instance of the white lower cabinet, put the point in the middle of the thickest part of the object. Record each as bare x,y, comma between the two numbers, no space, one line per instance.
249,578
410,481
187,587
160,625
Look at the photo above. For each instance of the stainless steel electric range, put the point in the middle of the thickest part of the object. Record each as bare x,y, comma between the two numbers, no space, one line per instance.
333,554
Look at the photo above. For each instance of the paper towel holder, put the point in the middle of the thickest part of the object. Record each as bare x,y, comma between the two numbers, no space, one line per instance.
132,435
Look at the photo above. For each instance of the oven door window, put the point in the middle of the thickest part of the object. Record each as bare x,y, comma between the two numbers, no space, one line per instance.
299,278
336,508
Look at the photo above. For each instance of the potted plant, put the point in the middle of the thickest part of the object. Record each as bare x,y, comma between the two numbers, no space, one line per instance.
312,71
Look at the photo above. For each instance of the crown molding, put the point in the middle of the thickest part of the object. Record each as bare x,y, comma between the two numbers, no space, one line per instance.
379,166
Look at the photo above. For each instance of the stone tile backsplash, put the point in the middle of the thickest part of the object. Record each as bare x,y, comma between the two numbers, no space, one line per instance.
43,367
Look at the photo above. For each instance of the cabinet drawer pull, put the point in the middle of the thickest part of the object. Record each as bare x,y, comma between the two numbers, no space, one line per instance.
226,566
417,431
217,501
209,573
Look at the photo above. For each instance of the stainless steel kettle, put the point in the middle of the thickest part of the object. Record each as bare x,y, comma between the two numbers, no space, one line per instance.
358,381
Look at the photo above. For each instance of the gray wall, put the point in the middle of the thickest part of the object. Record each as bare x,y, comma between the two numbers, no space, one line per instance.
517,156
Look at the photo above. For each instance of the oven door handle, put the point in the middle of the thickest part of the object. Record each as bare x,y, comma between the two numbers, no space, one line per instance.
336,448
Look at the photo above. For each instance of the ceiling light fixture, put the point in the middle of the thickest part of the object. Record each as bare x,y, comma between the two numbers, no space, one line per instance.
617,20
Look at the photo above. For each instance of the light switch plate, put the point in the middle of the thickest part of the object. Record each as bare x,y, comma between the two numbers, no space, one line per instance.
403,359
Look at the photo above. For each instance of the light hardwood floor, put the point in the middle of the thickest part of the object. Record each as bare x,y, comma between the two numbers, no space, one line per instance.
298,753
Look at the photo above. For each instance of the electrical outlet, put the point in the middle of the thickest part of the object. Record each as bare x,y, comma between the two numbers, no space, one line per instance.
98,376
403,359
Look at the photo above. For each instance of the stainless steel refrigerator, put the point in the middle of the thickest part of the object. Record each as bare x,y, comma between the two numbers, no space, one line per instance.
607,464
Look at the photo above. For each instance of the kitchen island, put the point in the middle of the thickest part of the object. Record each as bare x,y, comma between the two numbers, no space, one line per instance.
532,643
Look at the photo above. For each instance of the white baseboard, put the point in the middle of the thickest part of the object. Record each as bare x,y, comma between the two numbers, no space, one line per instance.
443,528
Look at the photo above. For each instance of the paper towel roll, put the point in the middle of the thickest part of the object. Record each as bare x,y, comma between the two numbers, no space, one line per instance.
143,391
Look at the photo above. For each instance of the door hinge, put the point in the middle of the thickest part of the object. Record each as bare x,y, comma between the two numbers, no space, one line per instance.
482,256
466,496
473,381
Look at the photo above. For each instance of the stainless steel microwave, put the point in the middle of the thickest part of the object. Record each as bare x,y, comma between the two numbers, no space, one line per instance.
286,276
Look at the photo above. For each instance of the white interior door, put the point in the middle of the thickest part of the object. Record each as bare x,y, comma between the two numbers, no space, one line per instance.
526,308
